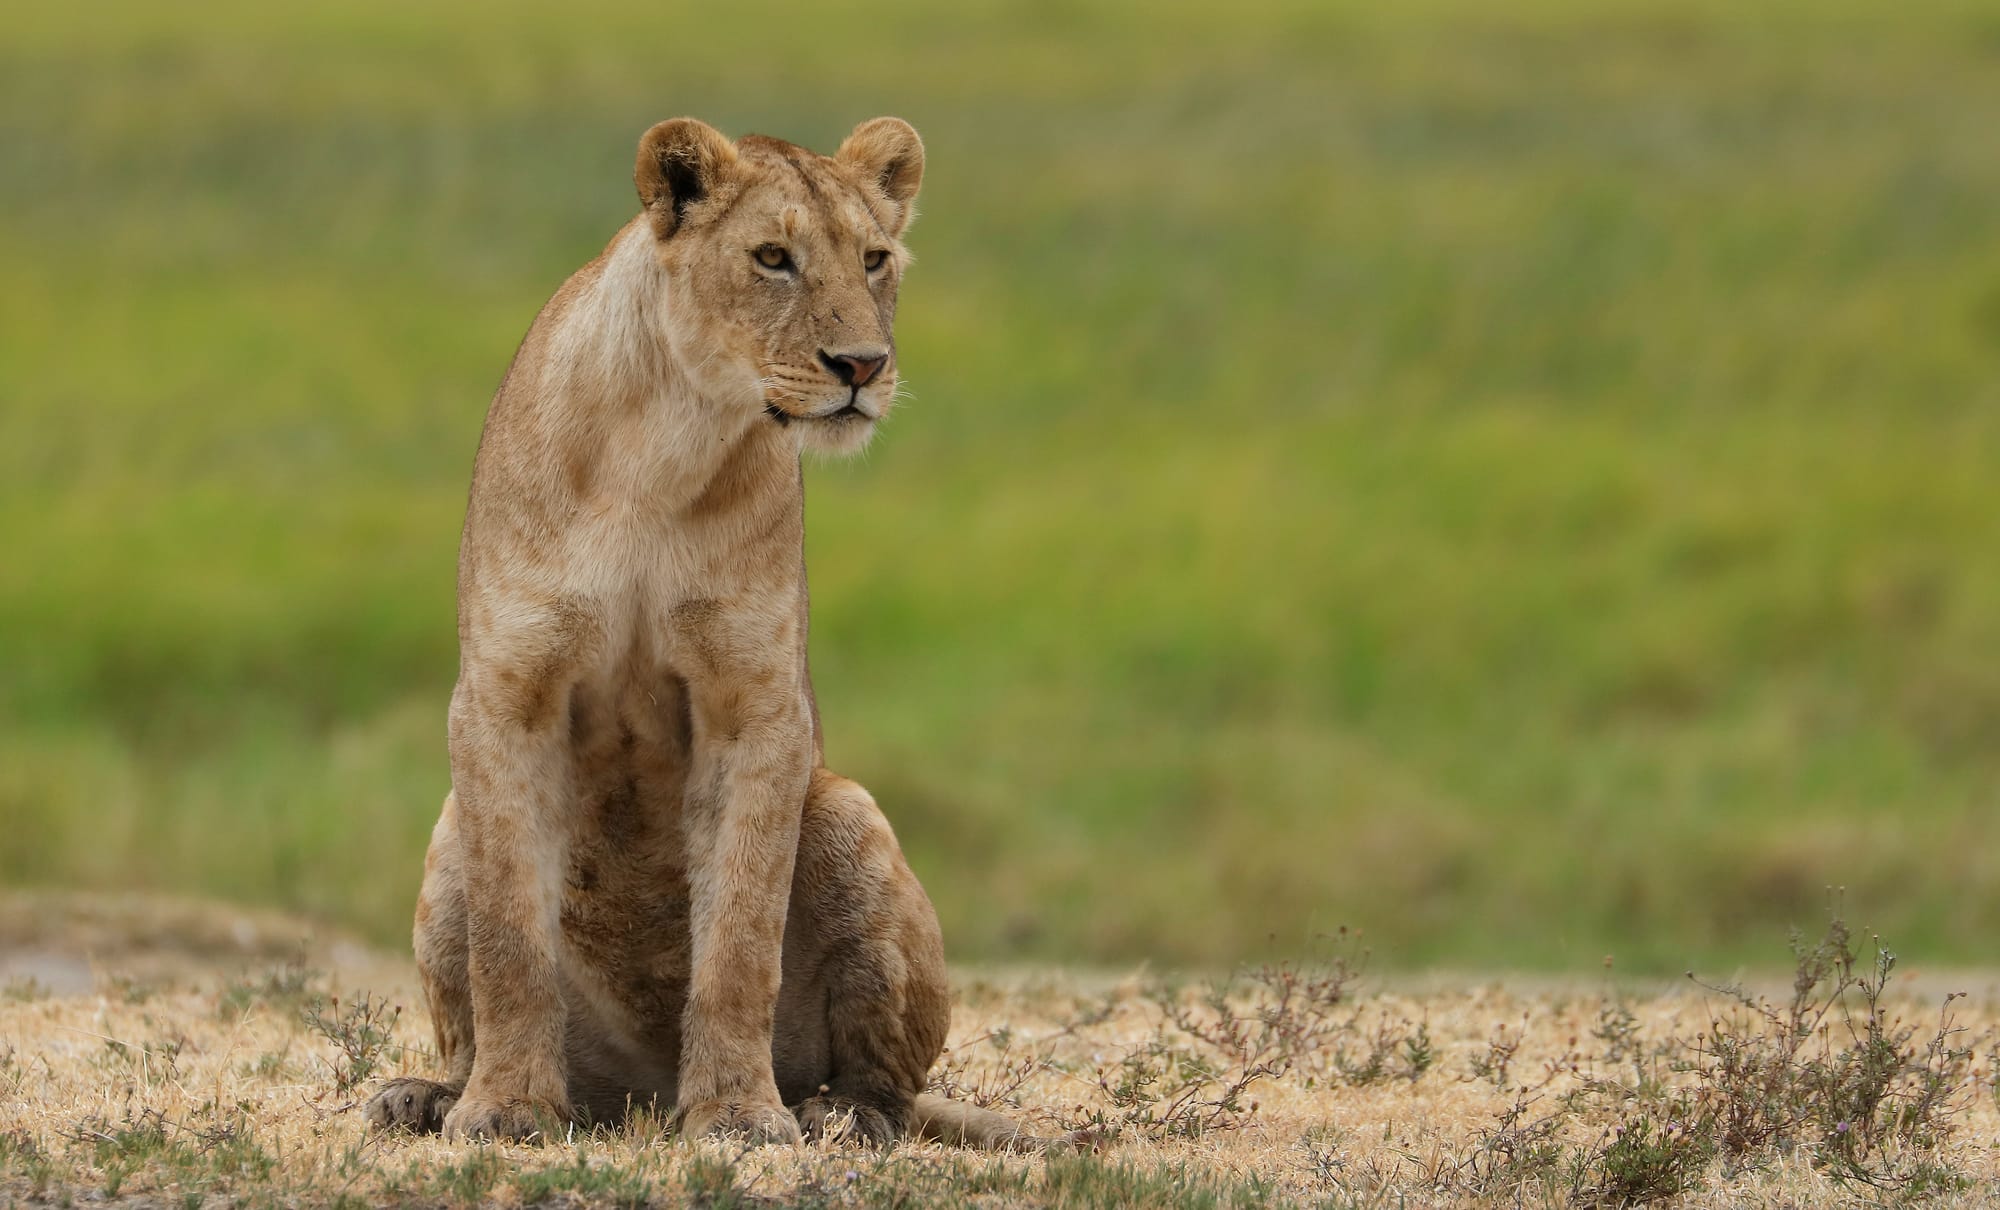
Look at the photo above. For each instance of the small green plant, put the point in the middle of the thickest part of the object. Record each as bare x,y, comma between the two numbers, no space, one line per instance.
1324,1160
710,1183
128,990
1087,1180
1419,1053
271,1065
1495,1063
150,1062
24,989
600,1184
468,1181
20,1153
1617,1027
1645,1158
994,1082
214,1148
286,987
1295,1004
1370,1062
363,1033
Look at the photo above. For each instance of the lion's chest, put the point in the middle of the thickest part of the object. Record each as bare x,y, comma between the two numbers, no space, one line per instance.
625,894
696,613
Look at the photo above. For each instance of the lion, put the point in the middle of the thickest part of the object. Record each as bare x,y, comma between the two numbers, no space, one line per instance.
645,887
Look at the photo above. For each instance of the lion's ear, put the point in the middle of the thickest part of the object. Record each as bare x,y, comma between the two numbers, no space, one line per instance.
679,161
887,152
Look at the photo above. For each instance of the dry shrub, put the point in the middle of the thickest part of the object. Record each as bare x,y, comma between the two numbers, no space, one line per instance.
1210,1047
1830,1074
363,1034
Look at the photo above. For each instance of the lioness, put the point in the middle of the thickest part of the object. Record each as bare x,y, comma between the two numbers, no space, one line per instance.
645,886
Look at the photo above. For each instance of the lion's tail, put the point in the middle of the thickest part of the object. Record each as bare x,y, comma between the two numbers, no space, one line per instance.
942,1120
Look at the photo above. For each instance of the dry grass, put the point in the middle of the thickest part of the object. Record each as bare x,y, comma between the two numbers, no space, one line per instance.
197,1076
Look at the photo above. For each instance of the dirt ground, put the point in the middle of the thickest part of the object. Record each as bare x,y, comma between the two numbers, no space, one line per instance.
173,1053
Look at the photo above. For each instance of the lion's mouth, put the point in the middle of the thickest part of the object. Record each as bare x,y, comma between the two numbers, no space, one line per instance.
844,414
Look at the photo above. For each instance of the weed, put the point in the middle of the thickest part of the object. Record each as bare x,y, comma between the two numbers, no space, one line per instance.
214,1148
1830,1073
1617,1027
1646,1157
288,987
1370,1064
1195,1072
150,1062
20,1152
24,989
997,1080
363,1032
471,1178
598,1184
1295,1004
1088,1181
1832,1070
1495,1063
1191,1077
1519,1150
1325,1162
163,1058
1419,1054
128,990
271,1065
710,1182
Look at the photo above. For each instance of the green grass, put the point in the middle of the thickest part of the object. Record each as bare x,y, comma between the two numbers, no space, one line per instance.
1524,484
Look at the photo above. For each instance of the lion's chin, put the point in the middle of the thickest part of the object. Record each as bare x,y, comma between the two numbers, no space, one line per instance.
845,432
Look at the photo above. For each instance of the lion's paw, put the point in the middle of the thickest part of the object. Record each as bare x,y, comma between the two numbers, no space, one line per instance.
835,1119
755,1123
410,1104
497,1120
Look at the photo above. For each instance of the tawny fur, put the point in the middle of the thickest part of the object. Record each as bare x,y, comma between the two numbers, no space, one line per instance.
645,888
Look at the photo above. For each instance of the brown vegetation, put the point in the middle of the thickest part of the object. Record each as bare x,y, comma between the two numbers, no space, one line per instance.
1307,1084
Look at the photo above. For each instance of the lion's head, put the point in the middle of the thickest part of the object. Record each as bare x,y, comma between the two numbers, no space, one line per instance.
784,266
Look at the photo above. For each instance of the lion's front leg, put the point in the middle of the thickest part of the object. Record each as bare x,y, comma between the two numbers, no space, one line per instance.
511,773
752,759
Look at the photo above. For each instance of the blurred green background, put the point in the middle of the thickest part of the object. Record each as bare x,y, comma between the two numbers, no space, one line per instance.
1525,484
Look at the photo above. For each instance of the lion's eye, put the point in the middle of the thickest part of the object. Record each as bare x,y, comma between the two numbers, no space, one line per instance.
874,259
773,257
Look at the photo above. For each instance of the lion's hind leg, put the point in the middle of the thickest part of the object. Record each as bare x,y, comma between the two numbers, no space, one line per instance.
881,959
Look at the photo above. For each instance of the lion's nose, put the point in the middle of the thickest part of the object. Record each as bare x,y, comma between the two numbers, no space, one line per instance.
854,369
